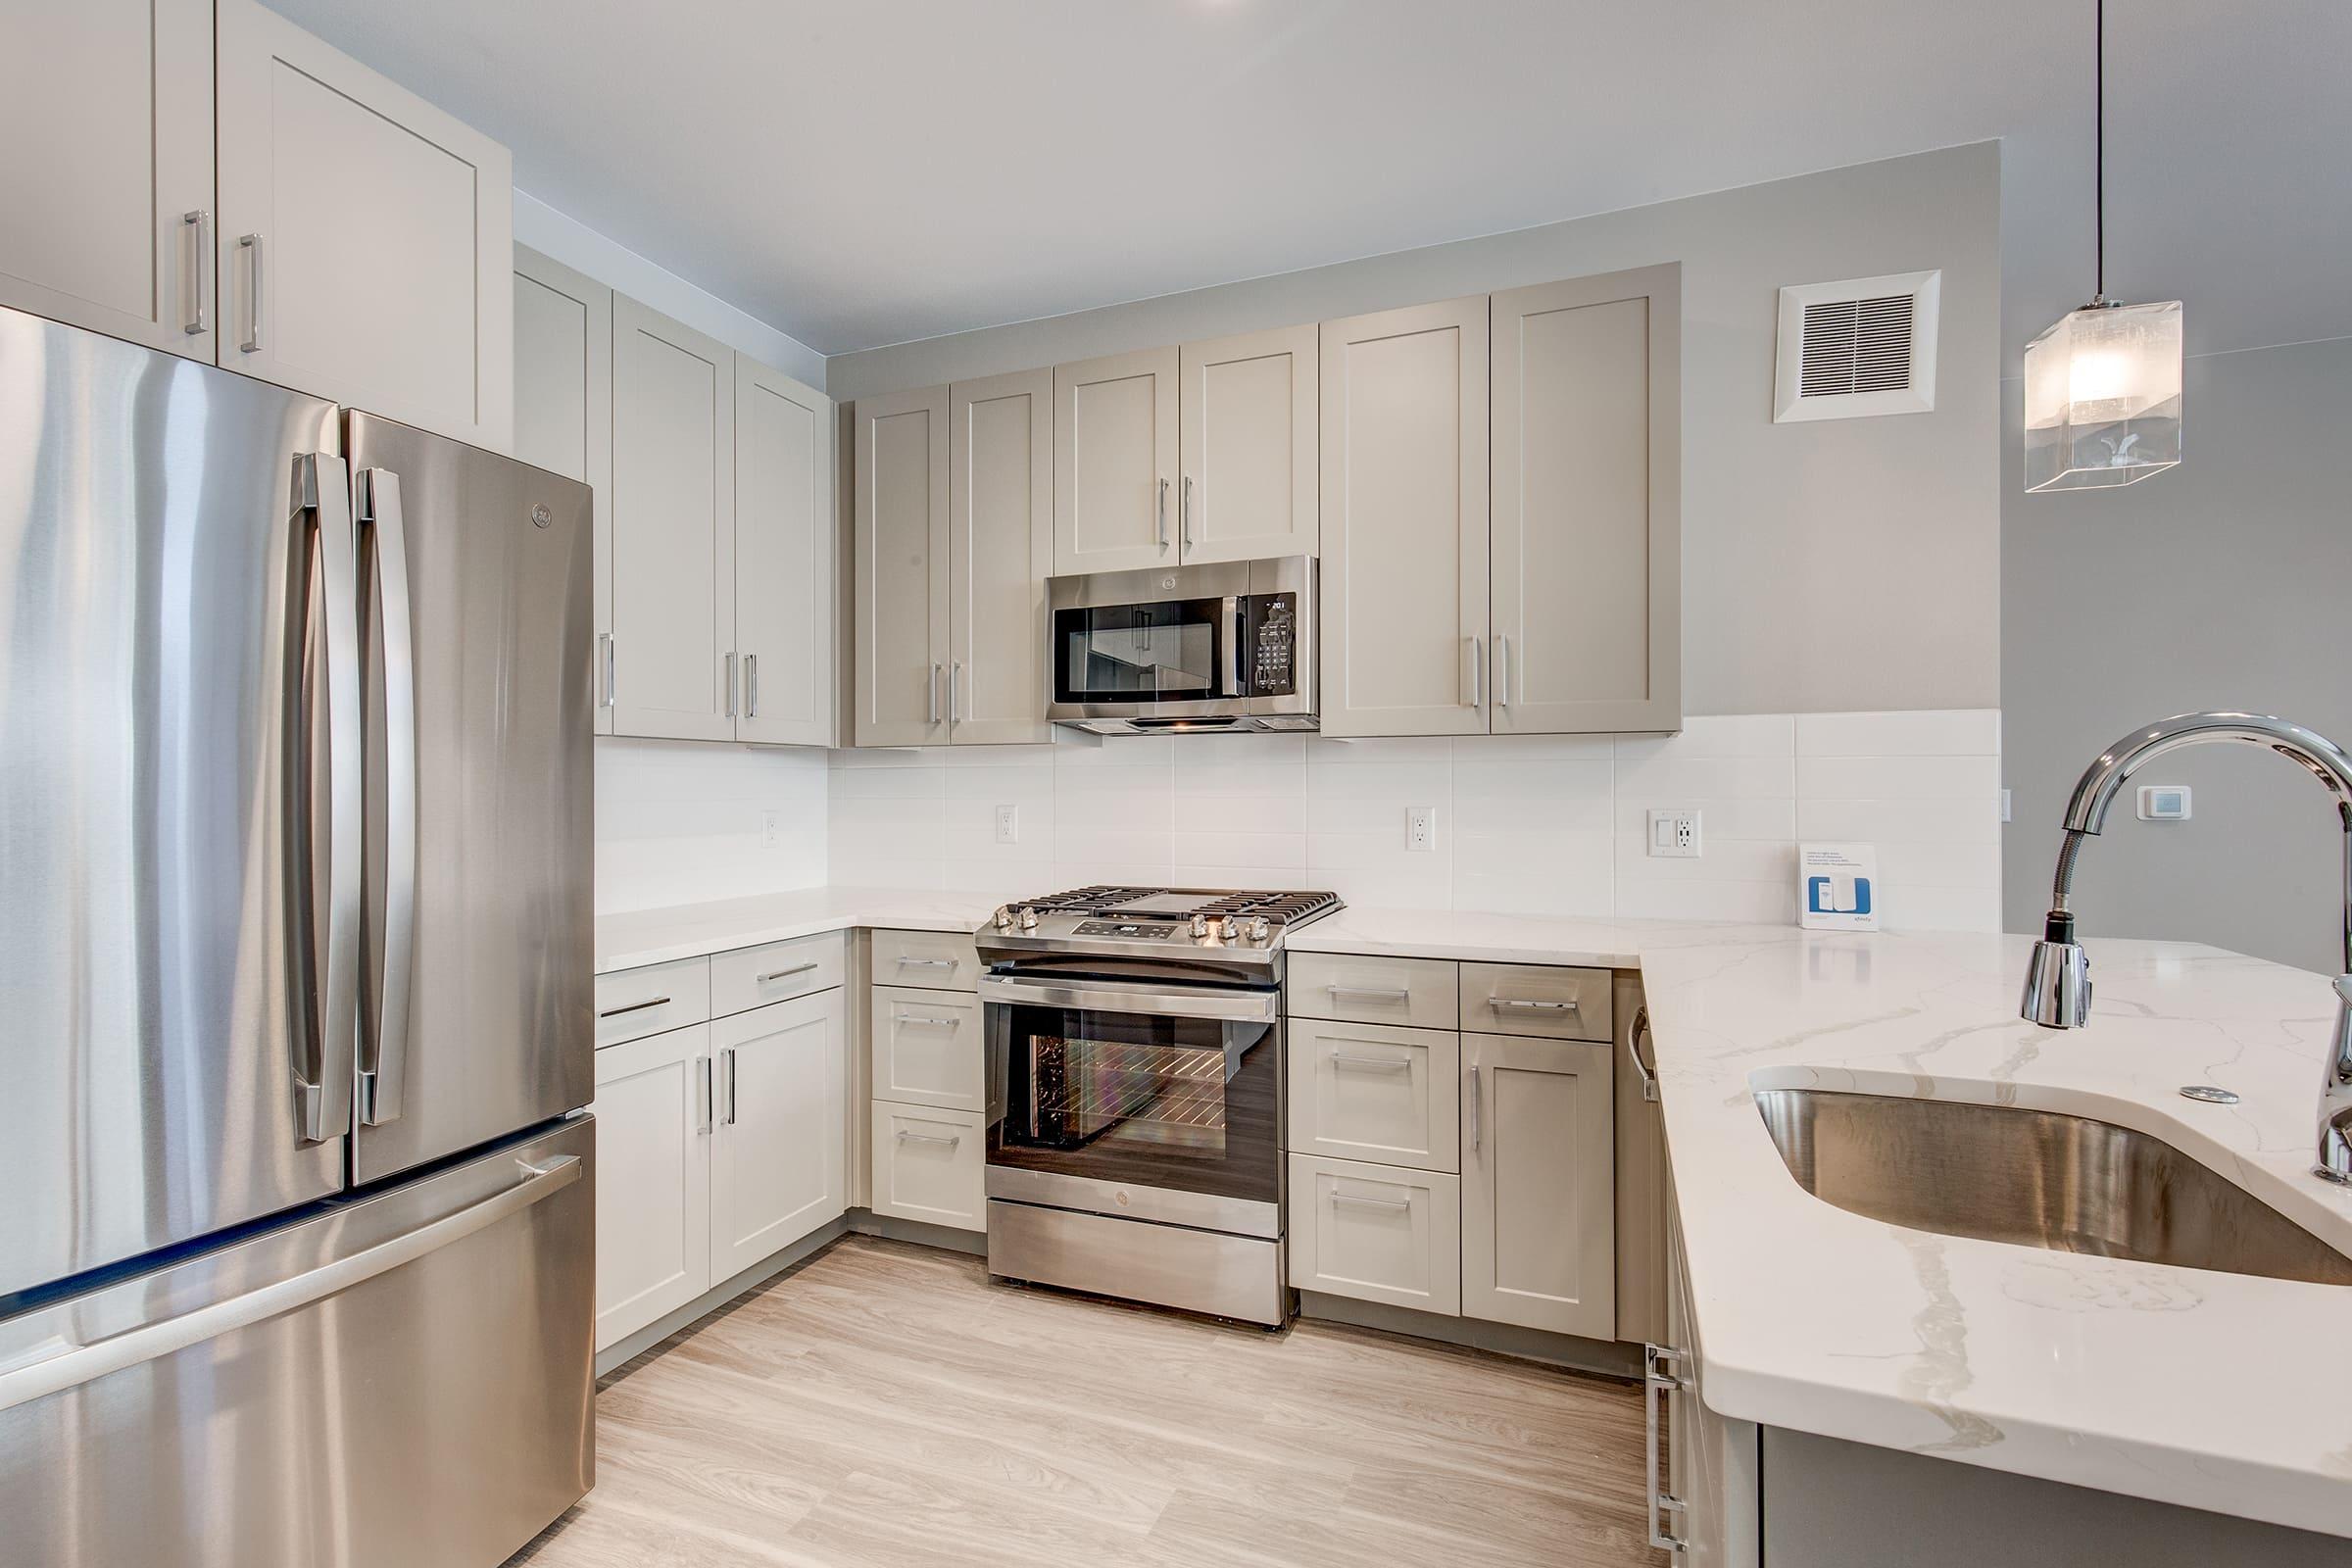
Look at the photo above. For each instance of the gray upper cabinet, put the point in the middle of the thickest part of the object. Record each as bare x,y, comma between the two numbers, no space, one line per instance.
365,247
784,541
107,109
1114,463
673,529
1248,434
1586,569
1000,514
1405,522
563,410
903,569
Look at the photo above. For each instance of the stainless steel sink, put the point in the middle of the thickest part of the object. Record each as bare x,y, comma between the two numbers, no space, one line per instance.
2036,1178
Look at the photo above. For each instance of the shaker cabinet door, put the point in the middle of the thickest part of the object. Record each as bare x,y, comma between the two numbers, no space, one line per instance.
778,1171
1539,1184
1405,522
106,107
675,670
1002,515
903,569
1249,435
1114,463
365,244
1586,569
563,410
784,530
654,1126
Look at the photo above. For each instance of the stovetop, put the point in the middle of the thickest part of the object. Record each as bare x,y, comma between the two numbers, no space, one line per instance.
1213,925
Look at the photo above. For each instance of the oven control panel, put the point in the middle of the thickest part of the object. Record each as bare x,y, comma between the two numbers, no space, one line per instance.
1127,930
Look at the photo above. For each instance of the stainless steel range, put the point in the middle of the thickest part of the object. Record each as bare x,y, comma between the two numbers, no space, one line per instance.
1135,1139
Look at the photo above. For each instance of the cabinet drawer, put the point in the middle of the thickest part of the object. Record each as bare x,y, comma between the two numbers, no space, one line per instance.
938,960
775,972
1376,1092
928,1049
1376,1233
1421,991
1512,998
930,1165
632,1003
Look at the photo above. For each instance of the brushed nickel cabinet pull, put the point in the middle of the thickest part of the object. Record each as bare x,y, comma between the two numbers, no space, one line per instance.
636,1006
779,975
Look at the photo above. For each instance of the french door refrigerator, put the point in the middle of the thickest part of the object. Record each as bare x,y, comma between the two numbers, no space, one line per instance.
296,1199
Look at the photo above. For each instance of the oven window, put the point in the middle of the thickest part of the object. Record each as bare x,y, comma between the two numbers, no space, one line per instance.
1180,1103
1161,652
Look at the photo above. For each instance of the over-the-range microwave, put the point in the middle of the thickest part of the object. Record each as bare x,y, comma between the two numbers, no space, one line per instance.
1218,647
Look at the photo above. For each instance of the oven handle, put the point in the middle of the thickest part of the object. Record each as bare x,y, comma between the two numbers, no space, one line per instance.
1255,1006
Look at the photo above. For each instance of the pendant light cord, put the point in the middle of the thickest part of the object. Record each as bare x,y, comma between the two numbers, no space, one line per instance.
2098,141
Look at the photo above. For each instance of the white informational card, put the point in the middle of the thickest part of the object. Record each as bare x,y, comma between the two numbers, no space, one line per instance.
1837,887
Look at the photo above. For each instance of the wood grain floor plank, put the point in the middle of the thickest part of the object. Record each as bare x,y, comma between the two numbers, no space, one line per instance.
885,1405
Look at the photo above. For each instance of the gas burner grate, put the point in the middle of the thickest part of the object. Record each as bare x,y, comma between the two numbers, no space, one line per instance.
1284,908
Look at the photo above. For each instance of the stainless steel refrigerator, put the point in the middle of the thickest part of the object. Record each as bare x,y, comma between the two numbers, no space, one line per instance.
296,1200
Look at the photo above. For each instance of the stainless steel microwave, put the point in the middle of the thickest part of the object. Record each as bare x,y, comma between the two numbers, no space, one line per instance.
1223,647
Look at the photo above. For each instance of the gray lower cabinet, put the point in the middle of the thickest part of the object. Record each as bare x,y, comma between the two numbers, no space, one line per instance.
1539,1211
1376,1233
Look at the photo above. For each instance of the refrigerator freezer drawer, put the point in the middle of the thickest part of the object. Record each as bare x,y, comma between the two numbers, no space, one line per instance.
403,1380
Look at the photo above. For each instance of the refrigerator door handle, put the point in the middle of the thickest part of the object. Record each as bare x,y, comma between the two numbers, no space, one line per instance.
323,595
75,1365
384,1025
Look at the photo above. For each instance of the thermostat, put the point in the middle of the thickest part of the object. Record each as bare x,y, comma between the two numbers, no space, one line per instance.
2164,803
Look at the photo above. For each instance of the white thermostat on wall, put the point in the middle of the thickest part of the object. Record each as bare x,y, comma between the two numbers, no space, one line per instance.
2164,803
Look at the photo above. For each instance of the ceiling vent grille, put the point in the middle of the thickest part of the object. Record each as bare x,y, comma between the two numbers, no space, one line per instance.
1860,347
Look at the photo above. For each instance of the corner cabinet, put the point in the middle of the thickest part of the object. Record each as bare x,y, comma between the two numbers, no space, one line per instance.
107,109
1587,554
784,540
1405,522
564,413
954,529
366,238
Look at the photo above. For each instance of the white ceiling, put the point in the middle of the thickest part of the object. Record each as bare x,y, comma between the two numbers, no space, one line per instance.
859,173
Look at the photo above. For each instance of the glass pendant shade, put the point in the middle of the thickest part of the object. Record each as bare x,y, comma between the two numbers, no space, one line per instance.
2103,397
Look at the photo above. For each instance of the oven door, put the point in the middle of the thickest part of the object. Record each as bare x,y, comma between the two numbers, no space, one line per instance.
1155,1102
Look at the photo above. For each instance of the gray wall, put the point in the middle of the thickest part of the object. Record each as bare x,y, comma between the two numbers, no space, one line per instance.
2224,583
1832,565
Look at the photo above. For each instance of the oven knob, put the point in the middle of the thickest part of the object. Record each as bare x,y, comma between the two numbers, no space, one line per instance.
1258,929
1231,929
1029,919
1003,916
1200,928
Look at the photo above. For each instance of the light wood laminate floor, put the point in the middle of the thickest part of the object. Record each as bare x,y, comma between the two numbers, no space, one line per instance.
885,1405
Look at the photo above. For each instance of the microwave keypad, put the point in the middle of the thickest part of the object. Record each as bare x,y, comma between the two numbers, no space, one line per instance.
1273,675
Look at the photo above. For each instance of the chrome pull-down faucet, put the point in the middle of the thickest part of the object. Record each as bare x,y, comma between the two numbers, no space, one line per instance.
2058,976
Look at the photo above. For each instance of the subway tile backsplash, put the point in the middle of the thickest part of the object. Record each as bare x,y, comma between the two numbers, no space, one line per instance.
1533,824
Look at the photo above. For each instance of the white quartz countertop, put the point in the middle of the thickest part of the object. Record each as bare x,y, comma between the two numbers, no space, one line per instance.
2213,1391
639,937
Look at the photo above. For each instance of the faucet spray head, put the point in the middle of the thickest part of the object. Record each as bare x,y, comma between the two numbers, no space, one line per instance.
2057,977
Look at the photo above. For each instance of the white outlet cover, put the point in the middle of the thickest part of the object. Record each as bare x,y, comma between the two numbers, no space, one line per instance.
1420,828
1674,833
1009,825
771,826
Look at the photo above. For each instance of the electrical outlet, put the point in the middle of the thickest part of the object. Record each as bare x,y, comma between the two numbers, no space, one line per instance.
1420,827
1673,834
771,825
1009,825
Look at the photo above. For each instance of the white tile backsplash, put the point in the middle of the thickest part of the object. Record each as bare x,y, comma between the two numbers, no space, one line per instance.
679,822
1535,824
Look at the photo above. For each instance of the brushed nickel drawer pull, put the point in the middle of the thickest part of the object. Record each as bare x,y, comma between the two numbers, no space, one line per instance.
636,1006
1374,992
926,964
905,1137
779,975
1388,1063
936,1023
1339,1197
1533,1006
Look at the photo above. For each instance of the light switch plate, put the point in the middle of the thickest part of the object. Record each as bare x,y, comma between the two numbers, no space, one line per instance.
1674,833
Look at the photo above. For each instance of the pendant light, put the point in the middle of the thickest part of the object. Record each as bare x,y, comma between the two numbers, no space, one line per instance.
2103,384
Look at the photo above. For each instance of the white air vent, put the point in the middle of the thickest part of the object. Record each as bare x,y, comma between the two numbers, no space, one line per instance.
1863,345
